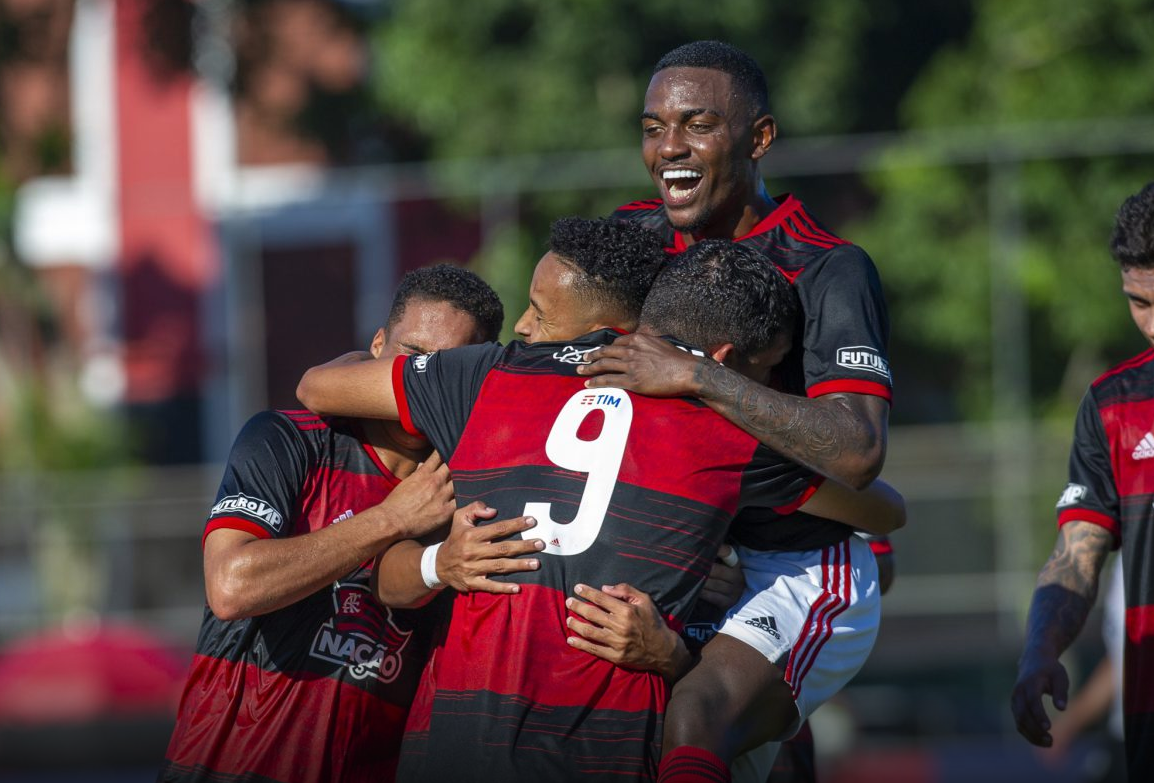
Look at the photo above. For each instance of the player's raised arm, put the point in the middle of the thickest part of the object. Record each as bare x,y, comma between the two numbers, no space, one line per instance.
841,435
879,508
354,384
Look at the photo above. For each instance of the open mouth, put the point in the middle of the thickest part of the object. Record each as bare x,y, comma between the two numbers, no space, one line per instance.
680,185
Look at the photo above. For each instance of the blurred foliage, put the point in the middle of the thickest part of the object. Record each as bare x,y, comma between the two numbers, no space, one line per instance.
496,77
511,77
1044,64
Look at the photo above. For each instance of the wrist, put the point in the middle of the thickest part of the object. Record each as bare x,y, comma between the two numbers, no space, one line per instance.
429,567
696,385
679,660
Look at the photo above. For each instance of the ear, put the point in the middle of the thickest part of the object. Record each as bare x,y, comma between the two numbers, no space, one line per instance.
764,132
723,353
378,343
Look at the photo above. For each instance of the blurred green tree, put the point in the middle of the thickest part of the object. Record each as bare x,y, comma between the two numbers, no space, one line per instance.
506,77
1027,71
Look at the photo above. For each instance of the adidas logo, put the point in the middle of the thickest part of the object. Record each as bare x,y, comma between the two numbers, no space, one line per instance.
767,624
1145,447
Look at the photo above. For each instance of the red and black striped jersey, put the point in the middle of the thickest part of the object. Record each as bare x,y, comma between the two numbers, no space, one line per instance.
1112,485
842,344
625,488
318,690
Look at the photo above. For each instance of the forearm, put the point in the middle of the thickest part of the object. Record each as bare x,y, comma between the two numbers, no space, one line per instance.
397,579
1067,589
351,385
825,434
264,575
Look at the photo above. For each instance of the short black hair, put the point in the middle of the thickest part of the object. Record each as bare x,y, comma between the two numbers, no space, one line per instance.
718,292
459,287
617,260
748,78
1132,243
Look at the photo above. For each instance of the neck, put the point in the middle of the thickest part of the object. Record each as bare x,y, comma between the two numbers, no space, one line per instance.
739,223
399,451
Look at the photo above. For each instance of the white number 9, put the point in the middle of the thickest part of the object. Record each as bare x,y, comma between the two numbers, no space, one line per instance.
600,458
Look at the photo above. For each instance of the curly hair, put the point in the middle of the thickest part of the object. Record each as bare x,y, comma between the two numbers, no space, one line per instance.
747,76
1132,242
718,291
459,287
617,261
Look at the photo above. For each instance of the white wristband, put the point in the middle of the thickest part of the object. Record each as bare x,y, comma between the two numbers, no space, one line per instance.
731,559
429,567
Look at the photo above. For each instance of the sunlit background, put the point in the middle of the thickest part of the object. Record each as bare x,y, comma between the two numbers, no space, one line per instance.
198,200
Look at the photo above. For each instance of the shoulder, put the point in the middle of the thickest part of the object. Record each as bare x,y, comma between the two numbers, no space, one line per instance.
1138,368
282,428
649,213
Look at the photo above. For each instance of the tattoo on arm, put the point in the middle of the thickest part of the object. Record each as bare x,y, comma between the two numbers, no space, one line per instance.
1067,586
813,434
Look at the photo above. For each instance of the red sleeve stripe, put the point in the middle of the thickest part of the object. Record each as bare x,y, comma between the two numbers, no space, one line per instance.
399,393
802,228
850,386
881,546
636,205
1094,518
806,494
807,240
233,523
817,230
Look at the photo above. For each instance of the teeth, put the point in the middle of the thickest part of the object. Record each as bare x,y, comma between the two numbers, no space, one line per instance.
679,174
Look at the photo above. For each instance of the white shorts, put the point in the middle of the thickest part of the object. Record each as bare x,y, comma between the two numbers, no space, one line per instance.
814,614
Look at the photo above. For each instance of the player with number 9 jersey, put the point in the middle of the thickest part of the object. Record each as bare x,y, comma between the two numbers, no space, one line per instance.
650,486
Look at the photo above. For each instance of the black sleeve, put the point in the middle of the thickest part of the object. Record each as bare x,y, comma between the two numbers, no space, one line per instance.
263,478
1091,495
846,325
438,390
770,481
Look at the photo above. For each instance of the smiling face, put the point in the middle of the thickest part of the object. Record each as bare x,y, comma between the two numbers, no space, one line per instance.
556,311
701,145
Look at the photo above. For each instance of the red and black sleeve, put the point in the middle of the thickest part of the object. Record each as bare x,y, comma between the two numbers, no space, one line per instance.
436,392
846,325
263,478
1091,495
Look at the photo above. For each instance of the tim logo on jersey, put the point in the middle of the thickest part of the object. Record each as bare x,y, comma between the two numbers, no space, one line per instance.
862,357
361,635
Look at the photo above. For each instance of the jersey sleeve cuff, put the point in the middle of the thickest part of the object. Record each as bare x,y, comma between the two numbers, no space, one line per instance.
402,400
851,386
1094,518
805,495
881,546
234,523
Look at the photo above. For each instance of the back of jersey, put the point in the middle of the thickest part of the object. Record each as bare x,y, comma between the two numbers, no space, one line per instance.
624,489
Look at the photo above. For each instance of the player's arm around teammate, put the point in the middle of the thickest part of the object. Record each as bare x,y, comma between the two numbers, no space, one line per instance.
409,574
1066,591
622,625
841,435
246,575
